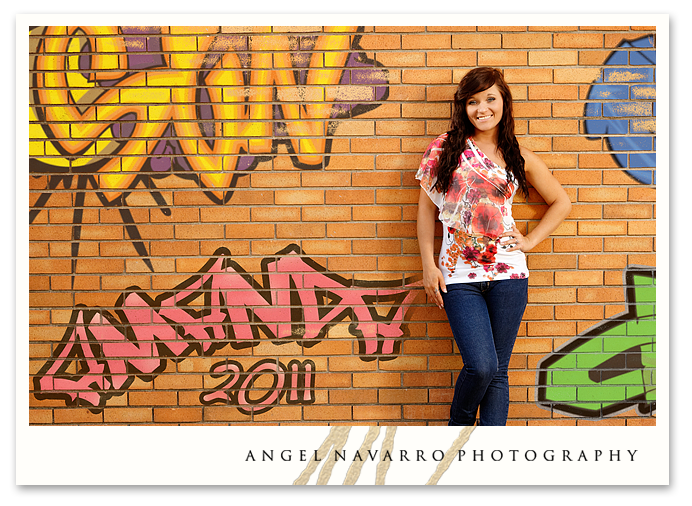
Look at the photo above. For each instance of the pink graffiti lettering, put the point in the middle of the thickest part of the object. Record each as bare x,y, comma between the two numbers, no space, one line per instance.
297,301
297,380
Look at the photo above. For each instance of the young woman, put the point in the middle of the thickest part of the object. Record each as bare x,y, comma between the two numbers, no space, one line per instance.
468,179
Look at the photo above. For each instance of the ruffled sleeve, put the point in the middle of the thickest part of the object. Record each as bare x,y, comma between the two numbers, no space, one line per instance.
427,168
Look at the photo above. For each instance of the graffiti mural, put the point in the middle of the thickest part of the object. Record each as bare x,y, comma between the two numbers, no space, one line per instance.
296,301
222,103
627,117
611,367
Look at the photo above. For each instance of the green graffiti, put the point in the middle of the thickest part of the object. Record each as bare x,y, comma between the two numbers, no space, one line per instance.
612,366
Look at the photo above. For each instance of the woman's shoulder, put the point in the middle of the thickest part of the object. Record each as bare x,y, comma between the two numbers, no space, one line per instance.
531,159
440,139
436,145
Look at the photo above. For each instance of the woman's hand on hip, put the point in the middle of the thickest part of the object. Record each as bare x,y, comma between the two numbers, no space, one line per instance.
516,241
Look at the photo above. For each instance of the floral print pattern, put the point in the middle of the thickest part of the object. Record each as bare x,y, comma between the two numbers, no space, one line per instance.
475,212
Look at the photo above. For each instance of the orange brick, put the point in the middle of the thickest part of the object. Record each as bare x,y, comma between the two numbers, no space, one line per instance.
553,58
527,411
551,329
600,294
298,197
528,110
476,41
274,179
350,364
398,162
426,41
628,244
350,230
553,126
376,412
351,263
602,194
553,92
445,362
177,381
580,311
602,261
396,60
378,246
349,197
426,412
431,110
380,145
578,40
641,228
551,261
569,244
249,230
300,230
409,363
327,413
380,41
533,345
427,76
353,396
586,212
326,247
642,259
578,177
427,346
578,278
76,416
578,144
326,179
602,227
502,58
326,213
222,413
641,194
427,379
177,415
40,416
577,75
597,161
552,295
394,127
526,40
50,266
152,398
451,59
273,214
127,415
519,75
278,413
403,396
538,313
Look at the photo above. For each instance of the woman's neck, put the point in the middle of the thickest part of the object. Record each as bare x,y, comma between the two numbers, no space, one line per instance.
486,138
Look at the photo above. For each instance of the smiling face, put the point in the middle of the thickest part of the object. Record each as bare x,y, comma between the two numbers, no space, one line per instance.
484,109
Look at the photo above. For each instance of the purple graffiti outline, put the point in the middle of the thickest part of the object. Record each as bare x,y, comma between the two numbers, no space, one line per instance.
110,351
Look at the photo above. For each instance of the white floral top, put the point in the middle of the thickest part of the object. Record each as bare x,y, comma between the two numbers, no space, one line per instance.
475,212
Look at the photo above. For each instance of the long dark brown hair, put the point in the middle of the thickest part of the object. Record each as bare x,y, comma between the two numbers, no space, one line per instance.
477,80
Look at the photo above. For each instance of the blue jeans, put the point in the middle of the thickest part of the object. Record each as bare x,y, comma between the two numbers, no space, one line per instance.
485,319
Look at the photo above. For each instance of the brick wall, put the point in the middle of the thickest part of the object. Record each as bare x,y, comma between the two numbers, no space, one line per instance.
222,223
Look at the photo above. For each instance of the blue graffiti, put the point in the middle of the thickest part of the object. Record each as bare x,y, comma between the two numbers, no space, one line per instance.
624,108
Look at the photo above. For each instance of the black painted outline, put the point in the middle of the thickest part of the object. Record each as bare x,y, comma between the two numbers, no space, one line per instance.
630,314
